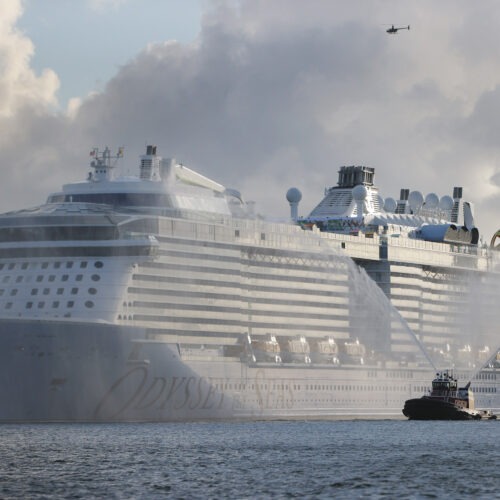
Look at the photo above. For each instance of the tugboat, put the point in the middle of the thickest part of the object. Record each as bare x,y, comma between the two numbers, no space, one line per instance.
446,402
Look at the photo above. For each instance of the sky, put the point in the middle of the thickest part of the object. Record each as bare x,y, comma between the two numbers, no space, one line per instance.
259,95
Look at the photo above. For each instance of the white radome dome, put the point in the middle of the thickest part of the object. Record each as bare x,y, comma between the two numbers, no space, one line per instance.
446,203
415,200
359,192
390,205
293,195
431,201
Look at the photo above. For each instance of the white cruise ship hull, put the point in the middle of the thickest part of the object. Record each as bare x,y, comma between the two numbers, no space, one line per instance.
79,372
153,300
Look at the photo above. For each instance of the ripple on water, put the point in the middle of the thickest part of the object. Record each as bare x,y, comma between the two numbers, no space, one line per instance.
357,459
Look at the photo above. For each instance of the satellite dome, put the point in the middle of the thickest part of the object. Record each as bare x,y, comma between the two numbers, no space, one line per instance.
415,200
446,203
359,192
293,195
431,201
380,201
390,205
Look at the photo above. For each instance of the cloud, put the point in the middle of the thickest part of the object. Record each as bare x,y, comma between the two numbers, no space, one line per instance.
103,5
19,86
282,93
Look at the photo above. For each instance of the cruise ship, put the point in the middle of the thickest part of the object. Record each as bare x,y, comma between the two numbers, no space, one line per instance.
165,297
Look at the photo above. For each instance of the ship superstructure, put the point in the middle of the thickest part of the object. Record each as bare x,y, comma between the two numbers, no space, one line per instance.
430,262
163,297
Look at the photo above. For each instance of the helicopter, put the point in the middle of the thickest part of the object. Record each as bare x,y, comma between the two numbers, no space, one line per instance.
392,30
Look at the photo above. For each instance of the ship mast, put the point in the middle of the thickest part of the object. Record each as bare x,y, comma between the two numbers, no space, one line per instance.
103,164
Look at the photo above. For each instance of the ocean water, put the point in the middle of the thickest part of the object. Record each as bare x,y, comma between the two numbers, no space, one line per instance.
296,459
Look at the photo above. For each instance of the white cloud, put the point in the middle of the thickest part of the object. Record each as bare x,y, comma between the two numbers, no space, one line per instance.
19,85
102,5
282,93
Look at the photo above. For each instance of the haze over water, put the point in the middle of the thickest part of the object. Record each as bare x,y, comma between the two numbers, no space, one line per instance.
337,459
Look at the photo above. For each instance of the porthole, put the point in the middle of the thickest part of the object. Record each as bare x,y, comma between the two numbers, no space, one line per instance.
34,291
69,265
52,277
98,264
70,303
46,291
13,292
55,304
41,304
95,277
29,305
89,304
79,277
64,277
92,291
74,291
60,291
57,265
83,264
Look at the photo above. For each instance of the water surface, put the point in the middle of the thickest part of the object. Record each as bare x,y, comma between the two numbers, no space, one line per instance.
338,459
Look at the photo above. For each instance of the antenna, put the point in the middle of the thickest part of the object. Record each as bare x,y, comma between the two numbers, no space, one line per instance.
103,163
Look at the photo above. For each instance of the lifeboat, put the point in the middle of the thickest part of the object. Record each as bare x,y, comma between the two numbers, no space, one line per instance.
324,351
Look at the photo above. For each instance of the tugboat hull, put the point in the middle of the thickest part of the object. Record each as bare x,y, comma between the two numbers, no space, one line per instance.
426,408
